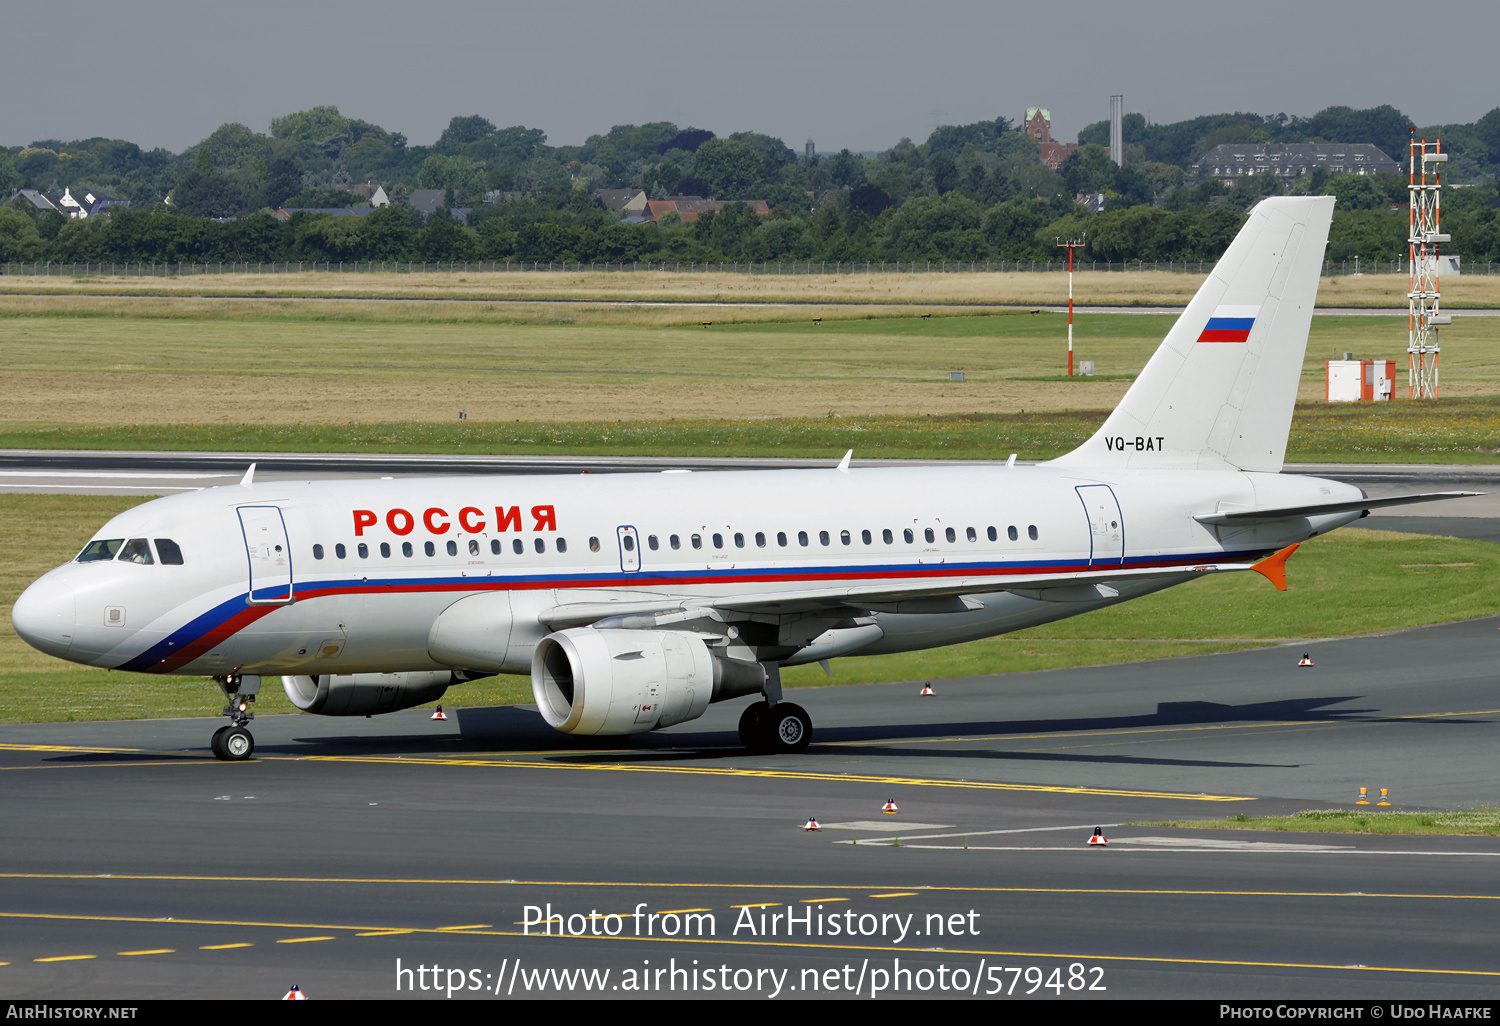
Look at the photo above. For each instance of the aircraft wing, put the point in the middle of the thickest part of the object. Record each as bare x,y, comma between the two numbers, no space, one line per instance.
925,596
1251,516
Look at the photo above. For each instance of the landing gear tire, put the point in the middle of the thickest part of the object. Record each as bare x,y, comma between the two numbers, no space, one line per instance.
233,744
788,728
753,733
217,742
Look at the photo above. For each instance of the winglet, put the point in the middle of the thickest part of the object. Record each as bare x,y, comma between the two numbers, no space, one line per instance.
1273,567
844,463
249,478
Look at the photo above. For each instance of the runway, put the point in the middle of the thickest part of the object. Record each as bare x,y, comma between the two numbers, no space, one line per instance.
137,866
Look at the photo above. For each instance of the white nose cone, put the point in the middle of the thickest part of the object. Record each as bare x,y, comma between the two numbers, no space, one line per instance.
43,617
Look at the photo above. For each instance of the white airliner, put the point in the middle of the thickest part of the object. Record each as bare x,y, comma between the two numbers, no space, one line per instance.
635,600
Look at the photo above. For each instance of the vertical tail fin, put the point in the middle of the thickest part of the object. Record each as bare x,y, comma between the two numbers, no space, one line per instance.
1218,393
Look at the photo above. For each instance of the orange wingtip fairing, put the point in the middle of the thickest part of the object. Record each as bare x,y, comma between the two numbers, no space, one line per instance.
1273,567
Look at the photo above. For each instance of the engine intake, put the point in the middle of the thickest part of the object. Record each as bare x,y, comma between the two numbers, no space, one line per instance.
613,681
365,694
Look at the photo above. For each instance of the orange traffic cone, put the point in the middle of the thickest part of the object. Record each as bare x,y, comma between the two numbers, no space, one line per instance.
1098,840
927,689
295,994
890,807
438,714
812,825
1305,660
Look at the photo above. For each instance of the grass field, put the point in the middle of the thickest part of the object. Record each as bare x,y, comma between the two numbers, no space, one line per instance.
1143,288
299,379
1477,822
1347,583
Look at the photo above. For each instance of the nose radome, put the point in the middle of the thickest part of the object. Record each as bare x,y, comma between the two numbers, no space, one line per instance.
43,616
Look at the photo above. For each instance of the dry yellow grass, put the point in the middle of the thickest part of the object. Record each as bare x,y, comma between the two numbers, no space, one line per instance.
966,288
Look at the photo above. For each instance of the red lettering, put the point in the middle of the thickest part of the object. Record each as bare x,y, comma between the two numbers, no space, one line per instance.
390,521
363,518
463,519
506,519
435,528
546,518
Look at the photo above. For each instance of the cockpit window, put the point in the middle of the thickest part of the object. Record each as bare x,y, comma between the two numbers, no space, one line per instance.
169,552
136,551
100,549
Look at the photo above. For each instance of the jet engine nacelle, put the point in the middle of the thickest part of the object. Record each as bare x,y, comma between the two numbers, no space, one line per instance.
614,681
365,694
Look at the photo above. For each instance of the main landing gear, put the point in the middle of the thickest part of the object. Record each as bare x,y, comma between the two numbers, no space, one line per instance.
774,726
234,742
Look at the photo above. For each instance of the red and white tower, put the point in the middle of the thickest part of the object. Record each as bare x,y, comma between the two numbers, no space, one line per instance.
1423,240
1070,246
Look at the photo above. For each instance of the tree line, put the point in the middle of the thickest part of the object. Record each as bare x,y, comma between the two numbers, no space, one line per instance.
969,192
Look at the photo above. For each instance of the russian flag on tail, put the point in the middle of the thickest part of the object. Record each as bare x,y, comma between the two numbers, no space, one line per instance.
1229,324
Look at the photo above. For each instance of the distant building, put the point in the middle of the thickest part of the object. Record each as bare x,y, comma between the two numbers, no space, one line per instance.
1291,161
67,204
374,193
811,151
628,201
1038,125
690,208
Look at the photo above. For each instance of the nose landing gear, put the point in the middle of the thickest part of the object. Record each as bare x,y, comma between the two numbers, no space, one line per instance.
235,742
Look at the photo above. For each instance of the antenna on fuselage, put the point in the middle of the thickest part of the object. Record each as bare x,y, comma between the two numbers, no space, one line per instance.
844,463
249,478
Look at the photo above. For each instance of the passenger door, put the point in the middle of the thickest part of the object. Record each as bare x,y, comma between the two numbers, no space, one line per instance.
269,553
1106,525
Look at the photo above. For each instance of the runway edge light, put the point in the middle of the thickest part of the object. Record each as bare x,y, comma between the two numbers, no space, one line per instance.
1098,840
812,825
438,714
927,689
890,807
1306,660
295,994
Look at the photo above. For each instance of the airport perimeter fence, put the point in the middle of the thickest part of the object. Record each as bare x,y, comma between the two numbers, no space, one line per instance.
1331,269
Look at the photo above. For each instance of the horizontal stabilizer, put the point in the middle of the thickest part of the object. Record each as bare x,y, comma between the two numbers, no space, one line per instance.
1251,516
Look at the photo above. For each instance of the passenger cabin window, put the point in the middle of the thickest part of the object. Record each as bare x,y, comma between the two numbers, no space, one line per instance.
801,537
541,545
1010,532
972,535
1031,532
628,541
651,542
908,536
951,534
473,547
385,550
408,551
929,535
427,548
675,542
562,544
864,536
593,544
781,538
823,537
170,555
136,551
887,537
739,540
517,547
452,547
495,546
760,539
364,551
317,551
993,534
338,550
718,541
697,541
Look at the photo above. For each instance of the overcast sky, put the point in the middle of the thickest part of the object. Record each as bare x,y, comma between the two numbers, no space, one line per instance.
857,74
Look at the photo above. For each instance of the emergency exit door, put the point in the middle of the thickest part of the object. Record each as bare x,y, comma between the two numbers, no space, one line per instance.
630,549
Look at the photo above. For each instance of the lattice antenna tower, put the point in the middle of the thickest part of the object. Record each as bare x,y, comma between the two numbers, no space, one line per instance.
1425,295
